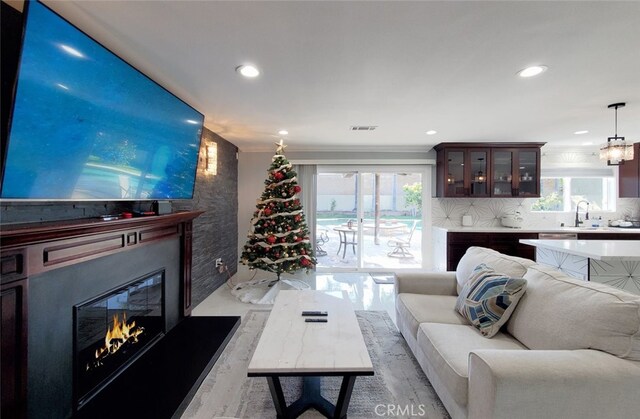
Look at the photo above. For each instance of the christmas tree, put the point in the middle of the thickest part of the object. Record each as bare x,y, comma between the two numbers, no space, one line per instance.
278,239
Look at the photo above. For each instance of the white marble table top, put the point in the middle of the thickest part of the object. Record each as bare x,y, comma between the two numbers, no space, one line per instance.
594,249
288,345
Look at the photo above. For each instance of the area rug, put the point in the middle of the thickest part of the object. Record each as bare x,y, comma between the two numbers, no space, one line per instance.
398,386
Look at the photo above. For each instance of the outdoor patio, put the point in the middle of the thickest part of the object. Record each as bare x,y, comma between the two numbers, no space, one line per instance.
375,256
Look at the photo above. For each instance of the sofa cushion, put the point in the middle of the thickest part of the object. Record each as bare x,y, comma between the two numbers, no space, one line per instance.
513,266
560,312
447,346
488,299
419,308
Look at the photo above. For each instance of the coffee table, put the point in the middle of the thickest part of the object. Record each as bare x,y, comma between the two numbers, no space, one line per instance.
291,347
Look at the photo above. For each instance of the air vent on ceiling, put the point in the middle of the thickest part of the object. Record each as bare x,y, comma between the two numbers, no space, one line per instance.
363,127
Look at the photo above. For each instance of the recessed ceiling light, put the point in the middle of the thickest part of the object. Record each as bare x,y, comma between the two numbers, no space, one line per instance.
588,143
432,132
581,132
191,121
283,132
248,71
534,70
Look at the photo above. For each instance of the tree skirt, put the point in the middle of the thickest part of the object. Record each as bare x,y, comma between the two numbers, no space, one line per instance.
264,291
398,383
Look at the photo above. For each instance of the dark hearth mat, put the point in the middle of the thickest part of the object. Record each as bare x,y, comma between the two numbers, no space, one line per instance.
387,278
162,382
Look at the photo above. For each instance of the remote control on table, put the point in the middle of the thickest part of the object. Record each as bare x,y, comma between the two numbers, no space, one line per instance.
315,313
315,320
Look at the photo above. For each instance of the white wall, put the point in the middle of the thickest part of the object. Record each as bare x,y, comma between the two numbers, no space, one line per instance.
252,172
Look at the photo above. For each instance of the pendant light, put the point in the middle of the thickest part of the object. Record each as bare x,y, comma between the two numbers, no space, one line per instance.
616,150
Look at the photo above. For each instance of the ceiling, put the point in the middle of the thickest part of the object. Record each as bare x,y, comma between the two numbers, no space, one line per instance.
406,67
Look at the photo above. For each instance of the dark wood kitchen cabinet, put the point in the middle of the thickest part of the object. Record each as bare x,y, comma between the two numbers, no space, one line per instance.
609,236
515,172
463,171
488,170
629,175
13,332
507,243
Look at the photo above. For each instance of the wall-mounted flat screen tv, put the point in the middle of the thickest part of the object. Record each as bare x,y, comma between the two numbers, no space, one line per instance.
86,125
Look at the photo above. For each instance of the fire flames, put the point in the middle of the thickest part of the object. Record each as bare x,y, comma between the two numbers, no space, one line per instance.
116,337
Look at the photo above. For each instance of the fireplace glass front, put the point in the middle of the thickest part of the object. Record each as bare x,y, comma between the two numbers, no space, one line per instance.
114,329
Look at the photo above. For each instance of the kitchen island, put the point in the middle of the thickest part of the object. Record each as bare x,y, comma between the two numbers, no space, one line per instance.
612,262
451,243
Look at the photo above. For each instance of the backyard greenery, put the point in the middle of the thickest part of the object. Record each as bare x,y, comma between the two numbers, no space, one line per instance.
413,195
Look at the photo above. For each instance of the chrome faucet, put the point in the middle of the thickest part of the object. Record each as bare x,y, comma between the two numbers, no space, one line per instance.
586,214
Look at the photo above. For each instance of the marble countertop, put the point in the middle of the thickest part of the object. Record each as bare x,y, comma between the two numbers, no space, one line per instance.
477,229
594,249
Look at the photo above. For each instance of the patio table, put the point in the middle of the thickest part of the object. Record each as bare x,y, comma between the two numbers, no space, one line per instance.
347,237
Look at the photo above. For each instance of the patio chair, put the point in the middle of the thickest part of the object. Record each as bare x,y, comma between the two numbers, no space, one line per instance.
320,240
401,245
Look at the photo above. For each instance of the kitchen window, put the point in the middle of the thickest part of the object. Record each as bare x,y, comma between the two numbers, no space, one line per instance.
562,193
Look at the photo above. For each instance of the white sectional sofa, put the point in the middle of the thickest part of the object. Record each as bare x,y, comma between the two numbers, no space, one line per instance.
571,349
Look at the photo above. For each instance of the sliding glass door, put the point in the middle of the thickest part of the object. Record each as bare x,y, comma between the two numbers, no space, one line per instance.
369,218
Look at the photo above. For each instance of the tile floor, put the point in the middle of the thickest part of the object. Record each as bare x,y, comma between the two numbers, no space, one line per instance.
359,287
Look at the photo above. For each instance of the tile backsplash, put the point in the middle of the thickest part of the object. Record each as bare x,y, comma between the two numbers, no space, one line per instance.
486,212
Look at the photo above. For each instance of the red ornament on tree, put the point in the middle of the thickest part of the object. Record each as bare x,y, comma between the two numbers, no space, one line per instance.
304,262
267,211
271,239
297,189
278,175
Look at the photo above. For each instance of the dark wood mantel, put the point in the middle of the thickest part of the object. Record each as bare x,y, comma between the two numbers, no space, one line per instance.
34,248
29,233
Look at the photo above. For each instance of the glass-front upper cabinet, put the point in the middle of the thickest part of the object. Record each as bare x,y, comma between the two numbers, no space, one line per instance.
498,170
454,172
528,176
502,173
516,172
478,173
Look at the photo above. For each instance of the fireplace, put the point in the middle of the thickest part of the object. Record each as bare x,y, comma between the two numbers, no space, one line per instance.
113,329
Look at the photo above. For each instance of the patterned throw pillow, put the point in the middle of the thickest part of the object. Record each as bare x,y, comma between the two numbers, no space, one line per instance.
488,298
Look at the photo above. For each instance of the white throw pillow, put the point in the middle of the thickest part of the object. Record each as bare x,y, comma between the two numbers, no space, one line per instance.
512,266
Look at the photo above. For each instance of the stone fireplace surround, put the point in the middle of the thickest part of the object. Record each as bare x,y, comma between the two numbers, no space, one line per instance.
75,262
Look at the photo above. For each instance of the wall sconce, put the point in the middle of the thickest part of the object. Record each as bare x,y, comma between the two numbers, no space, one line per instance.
480,177
450,179
212,159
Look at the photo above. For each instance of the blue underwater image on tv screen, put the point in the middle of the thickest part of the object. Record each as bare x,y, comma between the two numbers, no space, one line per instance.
88,126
